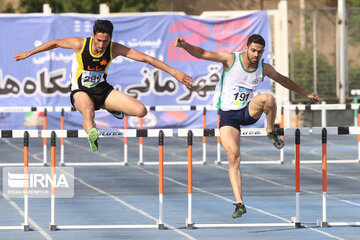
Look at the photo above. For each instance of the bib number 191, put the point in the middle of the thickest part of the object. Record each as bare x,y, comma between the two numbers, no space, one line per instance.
242,96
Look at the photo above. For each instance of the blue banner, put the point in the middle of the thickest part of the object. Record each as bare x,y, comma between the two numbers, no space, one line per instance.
43,79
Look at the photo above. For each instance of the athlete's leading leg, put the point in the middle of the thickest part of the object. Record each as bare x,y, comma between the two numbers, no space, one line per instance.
230,138
120,102
85,106
266,103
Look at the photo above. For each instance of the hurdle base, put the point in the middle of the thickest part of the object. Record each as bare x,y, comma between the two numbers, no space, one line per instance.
26,227
322,224
189,225
161,226
52,227
140,163
297,225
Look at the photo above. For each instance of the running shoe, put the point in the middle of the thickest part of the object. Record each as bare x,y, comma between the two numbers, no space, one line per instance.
276,139
118,115
93,137
240,209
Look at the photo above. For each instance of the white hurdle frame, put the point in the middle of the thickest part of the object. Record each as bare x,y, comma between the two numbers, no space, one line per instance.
203,108
190,133
323,108
324,132
53,134
25,134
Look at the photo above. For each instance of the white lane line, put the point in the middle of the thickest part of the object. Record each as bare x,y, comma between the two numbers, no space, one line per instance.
331,174
18,209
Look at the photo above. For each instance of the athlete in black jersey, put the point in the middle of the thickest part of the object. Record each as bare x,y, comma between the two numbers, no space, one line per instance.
89,88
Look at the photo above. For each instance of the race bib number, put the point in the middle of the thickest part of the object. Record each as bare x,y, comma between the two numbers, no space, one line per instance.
242,96
90,79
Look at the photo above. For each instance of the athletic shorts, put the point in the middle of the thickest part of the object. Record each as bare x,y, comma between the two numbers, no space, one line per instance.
235,118
97,94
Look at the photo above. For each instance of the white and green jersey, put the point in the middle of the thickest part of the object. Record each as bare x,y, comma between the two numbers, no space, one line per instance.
237,85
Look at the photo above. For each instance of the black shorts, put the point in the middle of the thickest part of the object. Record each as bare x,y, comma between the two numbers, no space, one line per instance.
235,118
97,94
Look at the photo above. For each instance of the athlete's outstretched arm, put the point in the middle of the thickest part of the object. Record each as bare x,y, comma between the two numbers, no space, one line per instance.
288,83
74,43
225,58
121,50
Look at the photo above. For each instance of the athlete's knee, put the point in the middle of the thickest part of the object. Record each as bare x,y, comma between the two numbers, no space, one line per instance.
233,158
88,110
269,100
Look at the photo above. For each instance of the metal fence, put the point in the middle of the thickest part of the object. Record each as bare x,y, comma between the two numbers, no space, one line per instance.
313,51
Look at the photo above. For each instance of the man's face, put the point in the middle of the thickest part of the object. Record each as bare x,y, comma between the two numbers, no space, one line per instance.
100,42
254,52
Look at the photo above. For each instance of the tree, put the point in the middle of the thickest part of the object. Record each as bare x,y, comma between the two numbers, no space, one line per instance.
303,73
85,6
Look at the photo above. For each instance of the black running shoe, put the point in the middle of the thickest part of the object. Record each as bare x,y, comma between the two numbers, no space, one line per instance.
118,115
240,209
276,139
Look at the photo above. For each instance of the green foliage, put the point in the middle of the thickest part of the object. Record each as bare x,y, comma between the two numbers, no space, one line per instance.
354,77
303,73
354,26
86,6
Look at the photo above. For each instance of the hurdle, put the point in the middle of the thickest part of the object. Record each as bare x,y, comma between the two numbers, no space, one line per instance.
246,132
161,133
324,132
18,134
323,107
141,161
76,134
204,109
22,134
191,225
338,131
19,110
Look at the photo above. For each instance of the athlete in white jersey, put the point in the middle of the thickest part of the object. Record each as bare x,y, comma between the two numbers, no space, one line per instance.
234,97
237,85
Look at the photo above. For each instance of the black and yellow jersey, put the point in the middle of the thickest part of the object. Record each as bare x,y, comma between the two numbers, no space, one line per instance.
89,70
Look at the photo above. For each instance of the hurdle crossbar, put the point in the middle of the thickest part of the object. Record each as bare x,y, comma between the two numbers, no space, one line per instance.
125,133
130,132
215,132
296,223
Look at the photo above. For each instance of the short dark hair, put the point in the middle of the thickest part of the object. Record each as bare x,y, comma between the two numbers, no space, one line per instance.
255,38
103,26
